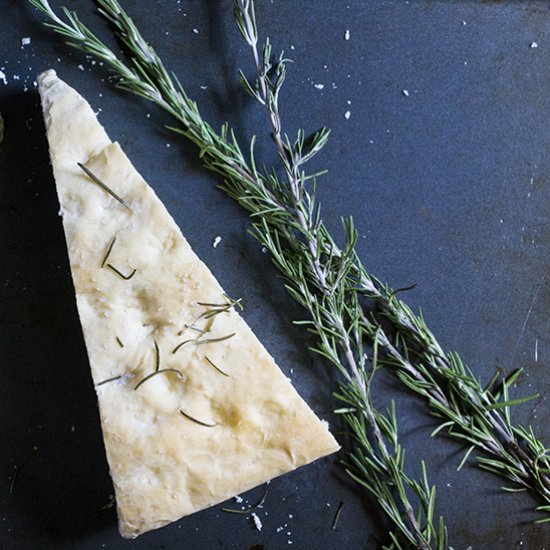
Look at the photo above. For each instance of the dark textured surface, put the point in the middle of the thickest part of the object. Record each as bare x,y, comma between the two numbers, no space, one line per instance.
449,190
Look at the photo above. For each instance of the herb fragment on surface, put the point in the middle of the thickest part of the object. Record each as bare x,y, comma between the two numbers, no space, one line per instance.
119,341
259,504
337,516
16,472
200,422
157,355
109,249
199,341
212,310
212,364
109,380
120,274
161,371
96,180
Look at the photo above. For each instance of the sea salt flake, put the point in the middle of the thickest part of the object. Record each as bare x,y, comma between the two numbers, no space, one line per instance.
257,521
25,41
217,241
533,45
319,86
346,35
347,114
405,93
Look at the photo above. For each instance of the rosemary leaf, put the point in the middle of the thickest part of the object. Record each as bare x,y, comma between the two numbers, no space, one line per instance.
121,275
259,504
109,380
96,180
200,422
337,516
212,364
109,249
161,371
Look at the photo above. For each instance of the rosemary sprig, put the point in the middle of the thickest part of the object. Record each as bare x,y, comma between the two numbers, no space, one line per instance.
333,285
119,341
105,188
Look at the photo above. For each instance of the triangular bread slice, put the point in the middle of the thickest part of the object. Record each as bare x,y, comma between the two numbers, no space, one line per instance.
194,410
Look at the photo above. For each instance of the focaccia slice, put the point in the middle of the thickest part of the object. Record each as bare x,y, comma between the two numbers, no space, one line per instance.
193,408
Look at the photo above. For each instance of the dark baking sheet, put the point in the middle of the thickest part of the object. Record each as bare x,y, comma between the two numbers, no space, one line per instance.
449,190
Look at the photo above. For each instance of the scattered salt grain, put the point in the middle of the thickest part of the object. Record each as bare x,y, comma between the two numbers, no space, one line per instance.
347,114
346,35
319,86
238,499
81,67
217,241
3,77
196,31
257,521
533,45
25,41
405,93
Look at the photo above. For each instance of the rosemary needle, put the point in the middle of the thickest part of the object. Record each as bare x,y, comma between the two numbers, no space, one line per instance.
119,341
212,364
198,342
108,190
121,275
109,380
337,516
161,371
110,247
157,355
259,504
193,419
16,472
